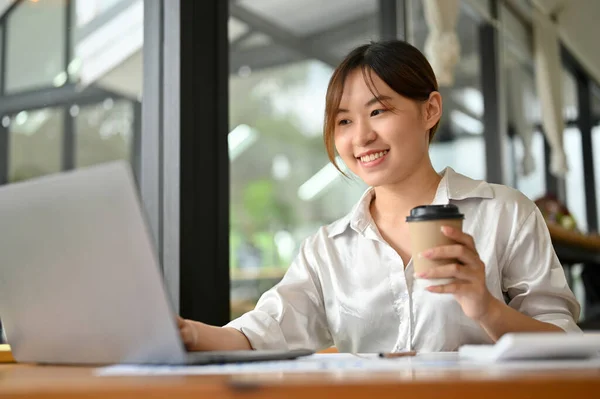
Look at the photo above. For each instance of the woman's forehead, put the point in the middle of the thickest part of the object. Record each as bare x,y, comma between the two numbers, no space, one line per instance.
359,85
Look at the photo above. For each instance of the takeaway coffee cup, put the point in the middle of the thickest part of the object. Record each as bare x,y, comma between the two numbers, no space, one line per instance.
425,224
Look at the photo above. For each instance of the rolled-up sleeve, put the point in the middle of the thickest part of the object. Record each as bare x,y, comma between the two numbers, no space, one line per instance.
535,280
291,315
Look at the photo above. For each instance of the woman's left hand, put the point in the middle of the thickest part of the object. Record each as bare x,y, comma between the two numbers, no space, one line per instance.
469,286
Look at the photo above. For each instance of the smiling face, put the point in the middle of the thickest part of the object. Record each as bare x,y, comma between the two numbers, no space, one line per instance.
379,134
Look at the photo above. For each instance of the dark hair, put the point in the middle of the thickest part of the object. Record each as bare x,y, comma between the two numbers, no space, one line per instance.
400,65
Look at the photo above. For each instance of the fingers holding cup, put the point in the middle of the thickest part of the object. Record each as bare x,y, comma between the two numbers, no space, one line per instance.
425,229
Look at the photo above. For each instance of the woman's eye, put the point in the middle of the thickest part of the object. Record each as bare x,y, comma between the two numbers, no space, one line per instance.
377,112
343,122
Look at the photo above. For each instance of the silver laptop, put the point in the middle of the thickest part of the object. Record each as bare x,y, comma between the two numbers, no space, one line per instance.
80,280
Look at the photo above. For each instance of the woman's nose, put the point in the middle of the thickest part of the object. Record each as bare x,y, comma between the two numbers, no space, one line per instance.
364,134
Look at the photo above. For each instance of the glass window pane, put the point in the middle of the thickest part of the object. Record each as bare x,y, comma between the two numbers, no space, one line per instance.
570,100
282,186
452,153
461,127
35,143
36,45
87,10
103,132
575,179
534,184
107,39
524,118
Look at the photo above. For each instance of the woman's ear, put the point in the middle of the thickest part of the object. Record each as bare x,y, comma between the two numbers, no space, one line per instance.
433,109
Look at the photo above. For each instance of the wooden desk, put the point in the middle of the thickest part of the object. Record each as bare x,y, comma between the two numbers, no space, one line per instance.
25,381
573,247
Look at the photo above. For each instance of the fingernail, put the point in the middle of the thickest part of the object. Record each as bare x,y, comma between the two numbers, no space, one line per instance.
427,253
446,229
421,274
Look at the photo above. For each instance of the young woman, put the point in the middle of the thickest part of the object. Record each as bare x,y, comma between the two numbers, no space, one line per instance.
352,284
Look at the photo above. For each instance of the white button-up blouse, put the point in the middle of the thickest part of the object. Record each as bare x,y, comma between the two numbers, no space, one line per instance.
347,287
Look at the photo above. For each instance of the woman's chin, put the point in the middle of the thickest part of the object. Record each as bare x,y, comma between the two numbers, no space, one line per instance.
374,181
373,178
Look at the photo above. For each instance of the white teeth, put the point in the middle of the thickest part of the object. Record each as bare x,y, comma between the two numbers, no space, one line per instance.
372,157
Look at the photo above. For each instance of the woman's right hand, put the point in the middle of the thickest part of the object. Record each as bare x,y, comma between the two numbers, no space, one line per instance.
188,333
198,336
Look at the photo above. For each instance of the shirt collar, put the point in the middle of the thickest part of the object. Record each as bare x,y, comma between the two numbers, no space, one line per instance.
453,186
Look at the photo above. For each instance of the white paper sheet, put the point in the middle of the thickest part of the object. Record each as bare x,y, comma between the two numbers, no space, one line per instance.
345,363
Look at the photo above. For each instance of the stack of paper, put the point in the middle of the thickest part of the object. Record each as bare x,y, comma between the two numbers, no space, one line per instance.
342,362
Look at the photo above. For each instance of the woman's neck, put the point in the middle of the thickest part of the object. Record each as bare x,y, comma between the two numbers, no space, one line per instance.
393,202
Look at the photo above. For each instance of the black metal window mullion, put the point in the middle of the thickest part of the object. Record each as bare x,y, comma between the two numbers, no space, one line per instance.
392,19
584,123
4,150
490,85
69,145
4,132
4,153
204,161
388,24
3,43
554,185
136,145
184,180
513,137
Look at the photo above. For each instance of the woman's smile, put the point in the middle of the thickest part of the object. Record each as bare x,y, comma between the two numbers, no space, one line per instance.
372,158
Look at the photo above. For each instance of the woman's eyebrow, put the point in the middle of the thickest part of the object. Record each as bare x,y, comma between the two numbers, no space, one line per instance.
377,99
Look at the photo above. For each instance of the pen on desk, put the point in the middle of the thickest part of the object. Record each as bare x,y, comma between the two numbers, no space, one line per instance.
397,354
